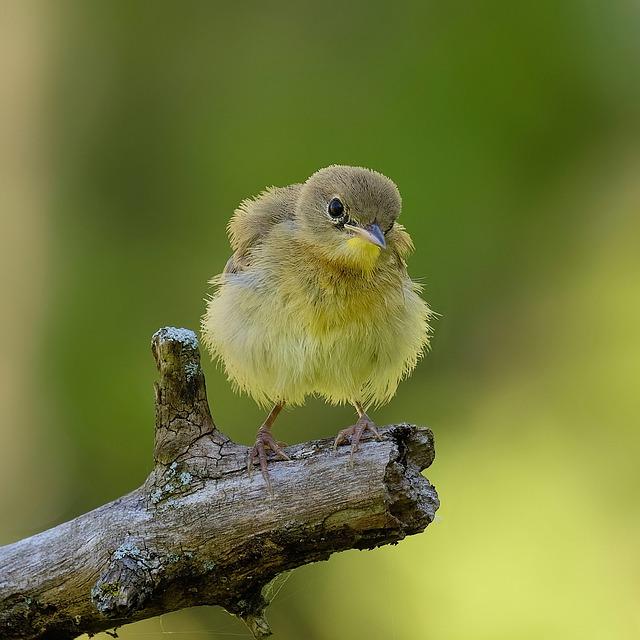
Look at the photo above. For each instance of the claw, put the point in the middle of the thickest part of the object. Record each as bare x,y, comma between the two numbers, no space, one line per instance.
258,453
355,432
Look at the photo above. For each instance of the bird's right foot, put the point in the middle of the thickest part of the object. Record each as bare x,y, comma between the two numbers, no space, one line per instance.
258,453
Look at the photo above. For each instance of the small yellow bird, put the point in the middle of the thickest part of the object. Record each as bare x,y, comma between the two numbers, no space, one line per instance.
316,299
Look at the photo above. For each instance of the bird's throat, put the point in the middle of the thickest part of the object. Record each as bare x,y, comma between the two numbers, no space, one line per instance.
363,253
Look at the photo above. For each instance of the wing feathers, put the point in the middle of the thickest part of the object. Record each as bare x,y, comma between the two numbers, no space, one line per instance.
253,220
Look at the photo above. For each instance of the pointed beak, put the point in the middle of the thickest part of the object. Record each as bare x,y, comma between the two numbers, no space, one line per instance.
371,233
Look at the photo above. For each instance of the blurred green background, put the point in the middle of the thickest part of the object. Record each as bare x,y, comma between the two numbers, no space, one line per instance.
131,130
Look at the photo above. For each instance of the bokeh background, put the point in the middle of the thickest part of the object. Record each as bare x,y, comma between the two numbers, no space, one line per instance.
130,131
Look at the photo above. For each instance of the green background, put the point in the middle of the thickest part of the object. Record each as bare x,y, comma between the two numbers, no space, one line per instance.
512,130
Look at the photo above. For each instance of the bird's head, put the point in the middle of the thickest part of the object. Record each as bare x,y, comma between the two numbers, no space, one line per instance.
347,215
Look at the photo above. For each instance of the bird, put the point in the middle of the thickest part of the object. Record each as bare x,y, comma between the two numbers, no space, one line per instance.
316,301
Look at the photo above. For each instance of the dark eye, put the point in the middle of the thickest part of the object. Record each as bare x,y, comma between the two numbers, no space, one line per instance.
335,208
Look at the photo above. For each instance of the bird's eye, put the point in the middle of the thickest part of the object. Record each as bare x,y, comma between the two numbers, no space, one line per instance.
335,208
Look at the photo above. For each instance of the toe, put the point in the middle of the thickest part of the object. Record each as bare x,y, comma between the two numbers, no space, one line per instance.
343,436
262,457
275,446
372,428
250,461
356,437
277,449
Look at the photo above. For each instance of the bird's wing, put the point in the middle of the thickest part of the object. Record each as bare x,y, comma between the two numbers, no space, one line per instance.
255,218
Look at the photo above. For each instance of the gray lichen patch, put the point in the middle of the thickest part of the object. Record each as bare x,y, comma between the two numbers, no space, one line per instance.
128,582
128,549
185,336
209,566
191,370
173,481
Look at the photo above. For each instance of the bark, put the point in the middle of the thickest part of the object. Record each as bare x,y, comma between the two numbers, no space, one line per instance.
201,530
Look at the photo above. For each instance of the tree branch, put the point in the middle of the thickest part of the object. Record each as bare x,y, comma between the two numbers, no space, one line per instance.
201,531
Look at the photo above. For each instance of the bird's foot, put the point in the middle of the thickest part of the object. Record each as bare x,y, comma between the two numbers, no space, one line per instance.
258,453
355,432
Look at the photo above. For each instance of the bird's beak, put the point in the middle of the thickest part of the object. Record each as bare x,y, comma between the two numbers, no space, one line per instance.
371,233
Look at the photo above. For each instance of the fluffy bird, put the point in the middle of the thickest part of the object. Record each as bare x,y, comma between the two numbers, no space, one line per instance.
316,300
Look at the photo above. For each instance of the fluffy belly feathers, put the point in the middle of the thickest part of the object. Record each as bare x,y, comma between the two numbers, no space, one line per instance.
287,347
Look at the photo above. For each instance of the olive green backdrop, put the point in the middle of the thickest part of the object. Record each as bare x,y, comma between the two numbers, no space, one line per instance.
512,129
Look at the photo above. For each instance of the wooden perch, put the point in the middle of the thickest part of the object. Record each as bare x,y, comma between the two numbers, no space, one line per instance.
201,531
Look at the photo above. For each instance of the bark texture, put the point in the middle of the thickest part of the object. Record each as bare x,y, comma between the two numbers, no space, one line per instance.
201,530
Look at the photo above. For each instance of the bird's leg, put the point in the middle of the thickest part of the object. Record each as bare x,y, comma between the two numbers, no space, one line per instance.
264,441
354,432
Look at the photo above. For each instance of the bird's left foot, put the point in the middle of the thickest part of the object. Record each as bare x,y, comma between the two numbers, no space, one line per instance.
355,432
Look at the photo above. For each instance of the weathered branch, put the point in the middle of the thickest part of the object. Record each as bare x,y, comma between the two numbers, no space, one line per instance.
201,530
